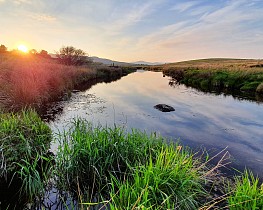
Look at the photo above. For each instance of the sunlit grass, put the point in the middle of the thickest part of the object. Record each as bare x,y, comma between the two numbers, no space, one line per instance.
169,182
247,193
127,170
108,166
217,74
32,81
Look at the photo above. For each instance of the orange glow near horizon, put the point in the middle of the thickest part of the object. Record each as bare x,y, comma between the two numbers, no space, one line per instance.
22,48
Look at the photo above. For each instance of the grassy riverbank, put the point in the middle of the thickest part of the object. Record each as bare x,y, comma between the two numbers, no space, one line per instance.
25,163
224,75
121,170
112,167
30,81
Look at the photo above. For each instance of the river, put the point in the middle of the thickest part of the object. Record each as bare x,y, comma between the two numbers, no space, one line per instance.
200,120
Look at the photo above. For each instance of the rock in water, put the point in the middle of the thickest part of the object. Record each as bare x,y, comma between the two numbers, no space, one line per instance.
164,108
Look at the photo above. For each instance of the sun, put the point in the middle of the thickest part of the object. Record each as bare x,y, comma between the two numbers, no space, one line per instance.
22,48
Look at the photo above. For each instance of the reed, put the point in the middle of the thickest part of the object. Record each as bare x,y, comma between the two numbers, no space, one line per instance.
94,153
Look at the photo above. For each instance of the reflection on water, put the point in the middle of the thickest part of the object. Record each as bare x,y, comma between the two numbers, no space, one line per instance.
199,120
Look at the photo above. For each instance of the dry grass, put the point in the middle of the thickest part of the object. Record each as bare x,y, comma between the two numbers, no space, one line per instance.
221,75
31,81
250,65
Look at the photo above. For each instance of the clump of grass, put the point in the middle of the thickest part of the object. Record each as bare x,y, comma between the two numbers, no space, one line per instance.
169,182
129,169
247,193
24,162
260,88
94,153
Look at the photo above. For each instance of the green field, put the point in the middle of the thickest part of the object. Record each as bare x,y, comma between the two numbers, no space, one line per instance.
222,75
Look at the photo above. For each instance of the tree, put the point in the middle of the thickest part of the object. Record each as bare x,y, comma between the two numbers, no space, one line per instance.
33,52
3,48
71,56
44,54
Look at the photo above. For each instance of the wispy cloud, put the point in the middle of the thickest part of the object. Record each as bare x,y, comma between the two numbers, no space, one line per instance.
18,2
224,31
42,17
181,7
159,30
121,19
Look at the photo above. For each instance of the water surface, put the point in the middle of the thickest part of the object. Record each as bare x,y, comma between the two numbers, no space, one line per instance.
199,120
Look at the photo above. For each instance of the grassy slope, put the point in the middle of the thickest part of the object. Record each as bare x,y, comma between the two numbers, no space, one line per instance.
221,74
30,81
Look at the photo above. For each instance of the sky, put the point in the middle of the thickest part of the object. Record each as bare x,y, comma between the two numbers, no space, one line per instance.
136,30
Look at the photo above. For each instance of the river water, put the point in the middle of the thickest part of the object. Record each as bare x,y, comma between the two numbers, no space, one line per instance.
200,120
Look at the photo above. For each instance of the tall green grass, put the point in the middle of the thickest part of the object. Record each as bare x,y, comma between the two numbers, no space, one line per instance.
247,193
110,167
94,153
25,161
170,182
128,169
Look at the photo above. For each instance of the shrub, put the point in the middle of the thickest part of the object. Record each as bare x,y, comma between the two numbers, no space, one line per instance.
71,56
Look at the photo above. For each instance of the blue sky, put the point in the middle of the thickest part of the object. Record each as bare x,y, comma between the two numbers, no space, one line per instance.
132,30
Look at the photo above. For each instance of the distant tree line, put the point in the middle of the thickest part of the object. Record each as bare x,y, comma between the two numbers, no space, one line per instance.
68,55
42,53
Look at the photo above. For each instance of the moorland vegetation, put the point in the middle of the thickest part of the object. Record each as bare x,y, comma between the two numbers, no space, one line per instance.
101,166
220,75
33,79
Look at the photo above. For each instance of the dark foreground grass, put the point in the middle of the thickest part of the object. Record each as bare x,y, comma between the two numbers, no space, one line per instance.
128,170
24,162
103,166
